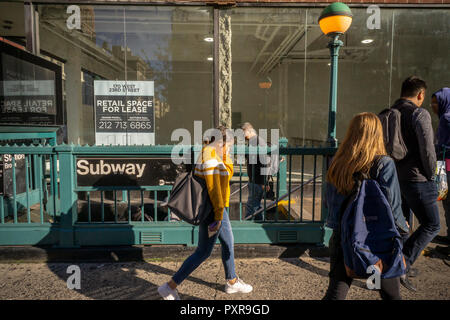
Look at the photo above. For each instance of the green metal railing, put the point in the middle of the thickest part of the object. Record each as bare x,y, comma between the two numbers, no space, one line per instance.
55,211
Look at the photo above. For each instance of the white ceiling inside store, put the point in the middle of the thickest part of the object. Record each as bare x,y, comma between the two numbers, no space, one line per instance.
262,37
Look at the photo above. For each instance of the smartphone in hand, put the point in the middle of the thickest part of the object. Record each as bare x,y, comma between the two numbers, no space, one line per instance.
211,226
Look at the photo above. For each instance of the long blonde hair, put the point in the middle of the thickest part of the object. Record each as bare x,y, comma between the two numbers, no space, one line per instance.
363,141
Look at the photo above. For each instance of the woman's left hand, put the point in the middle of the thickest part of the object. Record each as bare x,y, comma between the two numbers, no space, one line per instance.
217,226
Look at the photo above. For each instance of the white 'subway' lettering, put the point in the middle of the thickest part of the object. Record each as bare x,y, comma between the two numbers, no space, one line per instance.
102,168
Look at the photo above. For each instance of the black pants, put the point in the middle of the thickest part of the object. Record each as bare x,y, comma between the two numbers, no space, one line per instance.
421,198
340,283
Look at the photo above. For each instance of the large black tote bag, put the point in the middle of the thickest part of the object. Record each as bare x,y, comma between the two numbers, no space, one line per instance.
189,199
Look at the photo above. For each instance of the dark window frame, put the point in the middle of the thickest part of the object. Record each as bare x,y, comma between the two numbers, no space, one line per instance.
43,63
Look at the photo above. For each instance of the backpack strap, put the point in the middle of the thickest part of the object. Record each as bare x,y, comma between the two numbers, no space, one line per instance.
358,177
409,107
349,199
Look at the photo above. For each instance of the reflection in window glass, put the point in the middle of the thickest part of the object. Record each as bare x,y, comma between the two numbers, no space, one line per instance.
281,66
27,93
421,47
364,81
163,45
262,39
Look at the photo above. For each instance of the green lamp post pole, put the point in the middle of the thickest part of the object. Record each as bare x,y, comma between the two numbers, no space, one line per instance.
334,21
334,46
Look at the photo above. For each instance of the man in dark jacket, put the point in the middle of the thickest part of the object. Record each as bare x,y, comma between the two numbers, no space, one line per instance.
416,171
256,179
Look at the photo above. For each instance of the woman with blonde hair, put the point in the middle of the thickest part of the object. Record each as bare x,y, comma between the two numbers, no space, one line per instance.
361,153
215,166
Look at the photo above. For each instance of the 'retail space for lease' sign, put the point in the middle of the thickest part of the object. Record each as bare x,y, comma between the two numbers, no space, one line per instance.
124,112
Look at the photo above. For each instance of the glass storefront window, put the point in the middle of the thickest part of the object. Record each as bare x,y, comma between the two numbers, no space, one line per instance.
261,38
29,89
159,50
285,47
421,41
280,65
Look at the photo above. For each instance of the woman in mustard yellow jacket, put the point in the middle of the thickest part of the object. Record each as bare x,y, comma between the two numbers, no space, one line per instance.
216,167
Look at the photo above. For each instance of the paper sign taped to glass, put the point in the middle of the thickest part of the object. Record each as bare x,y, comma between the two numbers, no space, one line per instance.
124,112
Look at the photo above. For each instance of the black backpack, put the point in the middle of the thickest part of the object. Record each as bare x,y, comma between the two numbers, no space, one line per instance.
391,121
189,199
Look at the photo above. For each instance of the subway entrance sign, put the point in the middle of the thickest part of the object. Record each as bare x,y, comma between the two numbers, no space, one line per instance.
115,171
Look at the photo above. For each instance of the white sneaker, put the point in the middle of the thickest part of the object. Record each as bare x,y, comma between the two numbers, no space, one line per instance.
238,286
167,293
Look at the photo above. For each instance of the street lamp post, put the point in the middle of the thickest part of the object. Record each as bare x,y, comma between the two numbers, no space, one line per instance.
334,21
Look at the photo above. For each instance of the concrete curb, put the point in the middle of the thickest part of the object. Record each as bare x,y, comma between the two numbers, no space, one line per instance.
9,254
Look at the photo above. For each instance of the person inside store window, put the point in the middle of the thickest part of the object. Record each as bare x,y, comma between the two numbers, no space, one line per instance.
257,180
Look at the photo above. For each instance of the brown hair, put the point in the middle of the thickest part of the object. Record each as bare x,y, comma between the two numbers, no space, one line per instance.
363,141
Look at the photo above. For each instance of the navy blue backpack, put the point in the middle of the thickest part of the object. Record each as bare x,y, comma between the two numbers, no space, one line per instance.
369,236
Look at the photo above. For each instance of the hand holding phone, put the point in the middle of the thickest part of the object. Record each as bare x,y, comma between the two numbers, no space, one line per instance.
213,228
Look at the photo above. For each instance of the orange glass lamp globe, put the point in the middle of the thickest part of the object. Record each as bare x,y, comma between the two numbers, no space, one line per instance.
265,84
335,19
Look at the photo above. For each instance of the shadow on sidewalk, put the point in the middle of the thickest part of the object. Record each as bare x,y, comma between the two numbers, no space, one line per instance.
119,281
112,279
293,255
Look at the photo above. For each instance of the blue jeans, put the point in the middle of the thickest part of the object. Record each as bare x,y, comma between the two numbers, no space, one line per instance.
255,195
204,249
421,197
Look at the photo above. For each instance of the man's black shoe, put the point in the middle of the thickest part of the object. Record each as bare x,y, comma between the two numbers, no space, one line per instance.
407,284
442,239
413,272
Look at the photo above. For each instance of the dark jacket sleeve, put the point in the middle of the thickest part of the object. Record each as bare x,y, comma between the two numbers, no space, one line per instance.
333,202
388,181
425,137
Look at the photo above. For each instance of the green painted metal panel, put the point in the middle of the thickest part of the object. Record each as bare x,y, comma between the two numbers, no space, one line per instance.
68,198
137,233
28,234
282,173
183,233
105,235
96,235
71,234
277,232
15,149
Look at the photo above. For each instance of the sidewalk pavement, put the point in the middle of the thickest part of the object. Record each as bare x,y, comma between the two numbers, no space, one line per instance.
296,272
301,278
